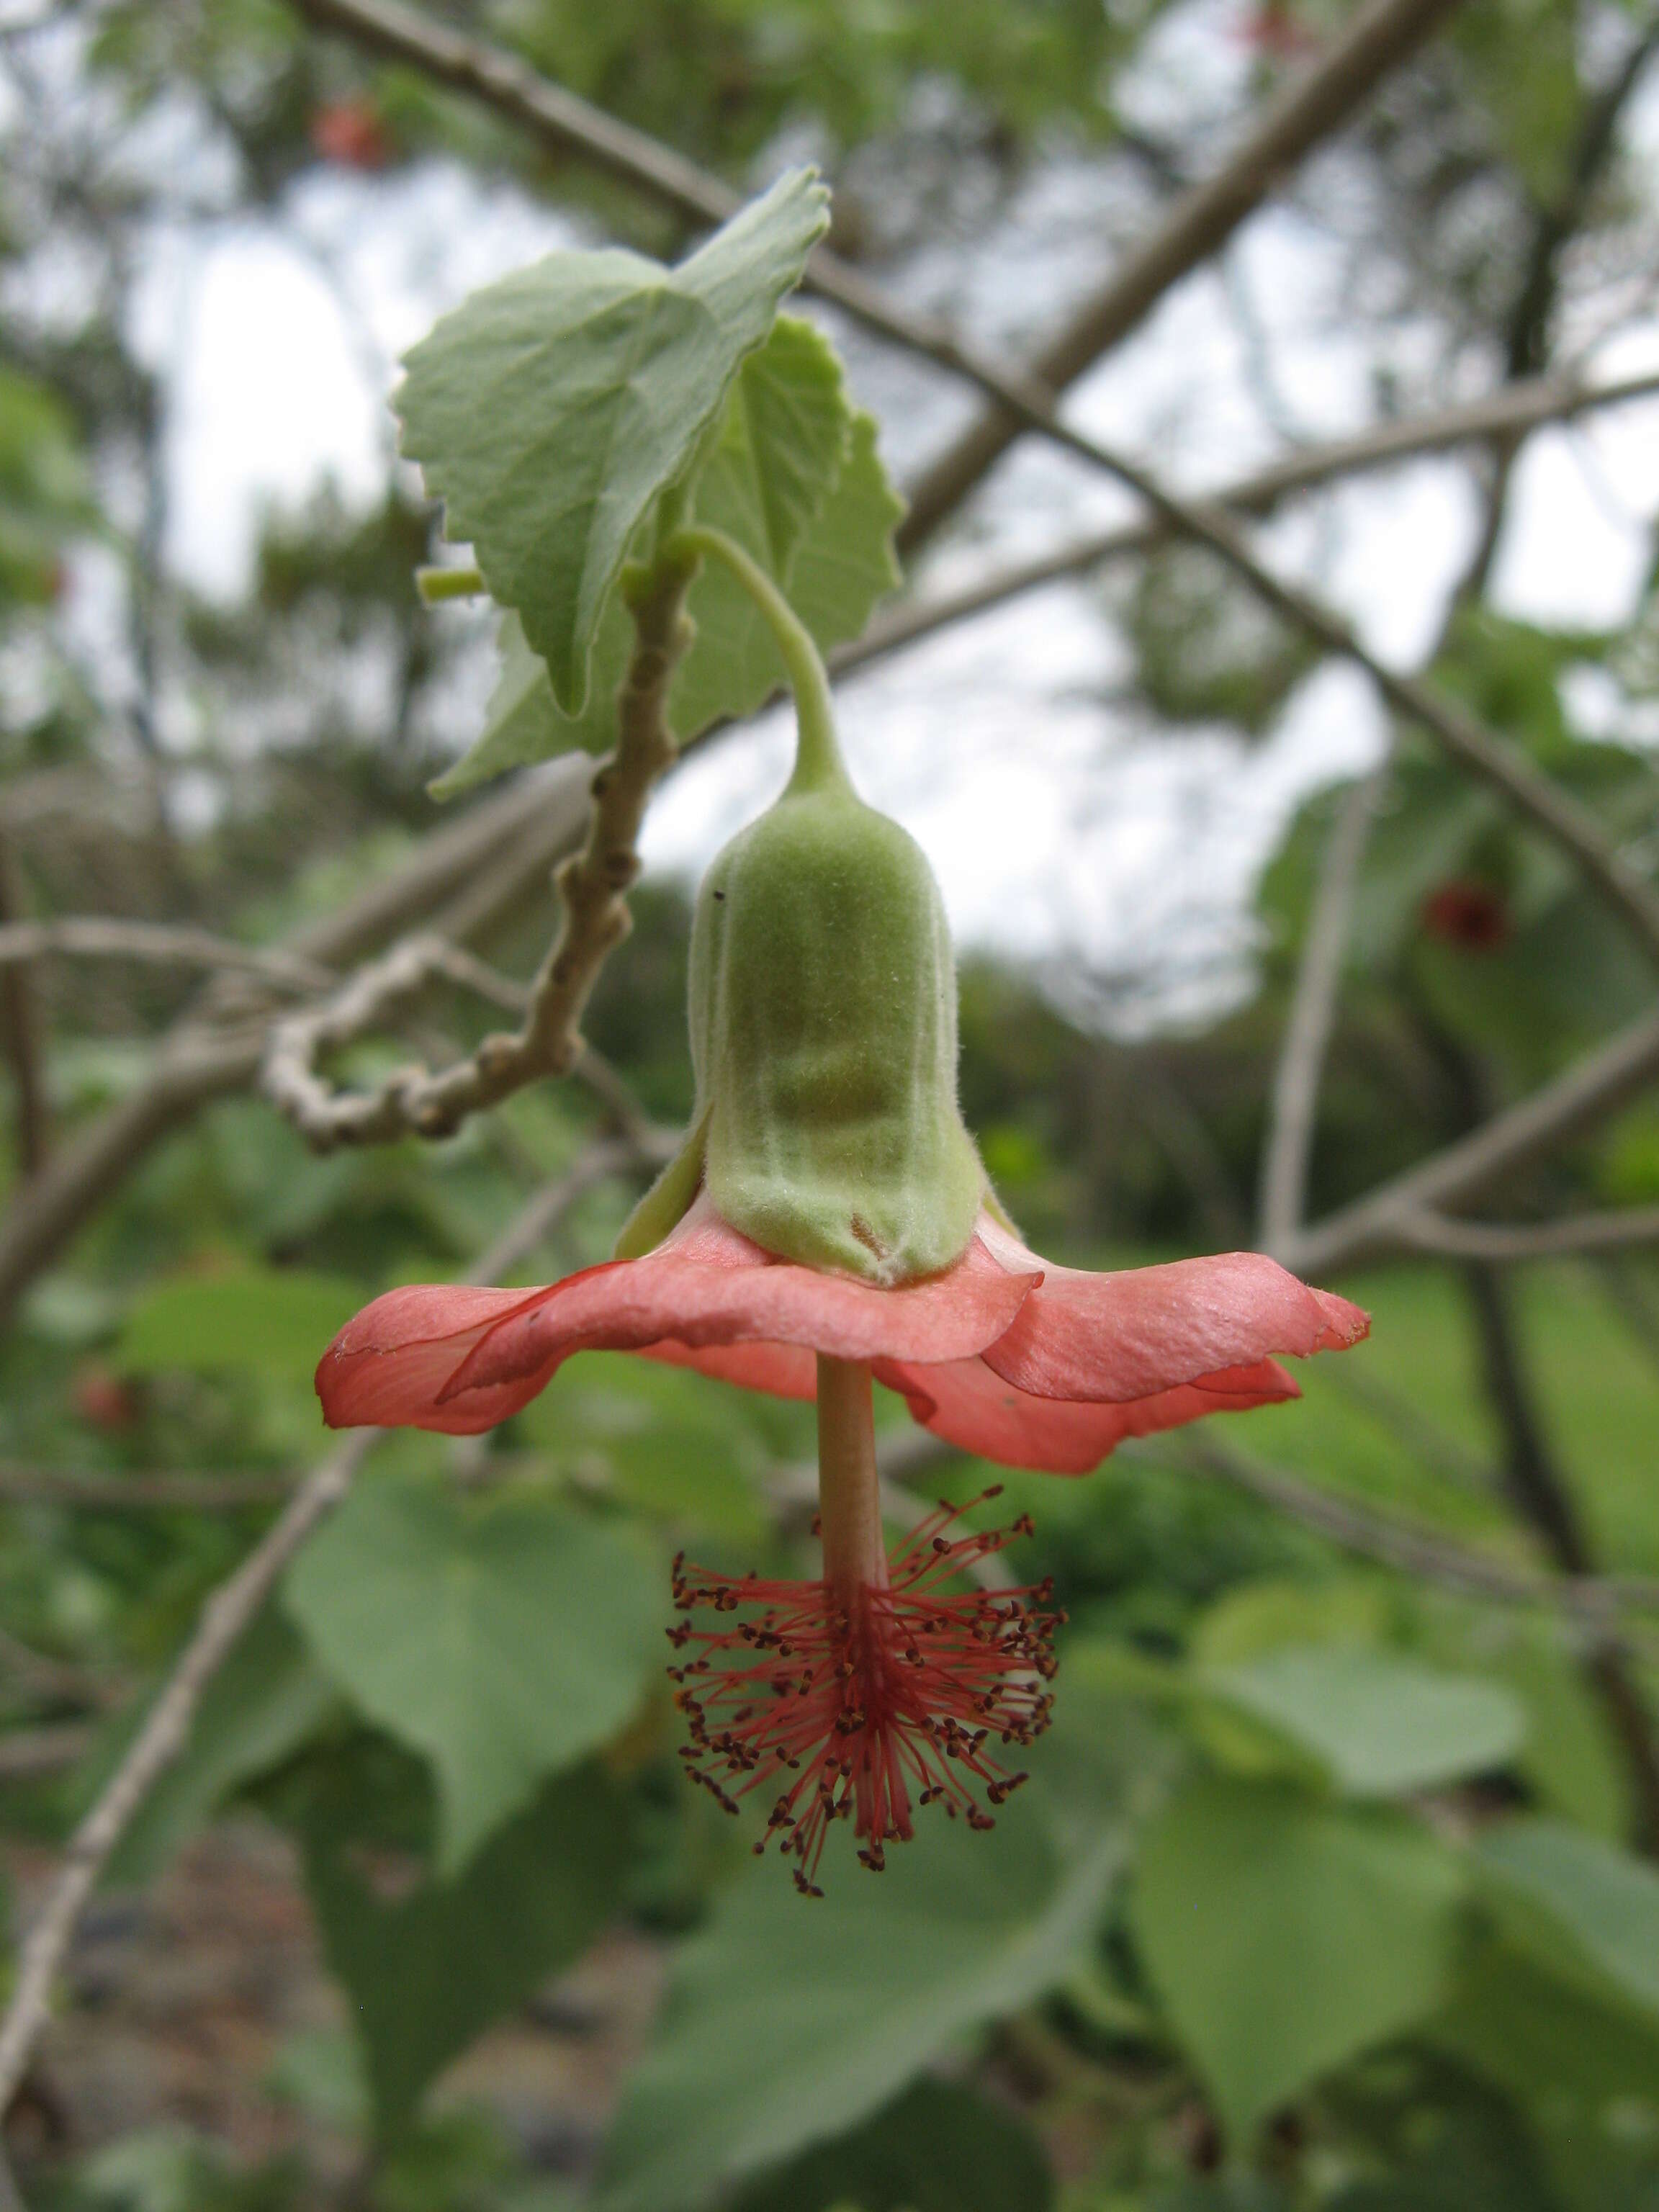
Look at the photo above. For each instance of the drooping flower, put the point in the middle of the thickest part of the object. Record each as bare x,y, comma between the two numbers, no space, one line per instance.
828,1224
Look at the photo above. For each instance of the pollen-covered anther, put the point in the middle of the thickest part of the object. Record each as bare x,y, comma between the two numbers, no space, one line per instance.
865,1709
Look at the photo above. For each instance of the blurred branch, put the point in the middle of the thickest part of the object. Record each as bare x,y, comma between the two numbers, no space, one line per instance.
1306,112
458,885
1506,415
101,937
1294,1105
20,1036
1595,1599
166,1729
590,884
95,1489
1428,1231
27,1753
1380,1225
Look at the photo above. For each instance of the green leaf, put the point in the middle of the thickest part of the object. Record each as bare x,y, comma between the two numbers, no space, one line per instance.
937,2148
1582,1907
1542,2039
265,1320
503,1640
1286,1934
427,1973
1375,1722
796,478
264,1702
550,410
789,2019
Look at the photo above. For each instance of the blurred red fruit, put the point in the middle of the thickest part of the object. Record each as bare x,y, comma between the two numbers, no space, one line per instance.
101,1398
1469,914
351,132
1272,29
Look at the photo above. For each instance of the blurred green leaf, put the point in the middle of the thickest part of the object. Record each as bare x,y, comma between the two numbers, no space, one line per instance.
266,1700
937,2148
504,1639
1586,1908
263,1321
427,1973
550,410
1377,1724
790,2019
1285,1935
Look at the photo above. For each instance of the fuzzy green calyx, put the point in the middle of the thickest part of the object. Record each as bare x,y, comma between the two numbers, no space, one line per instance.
823,1027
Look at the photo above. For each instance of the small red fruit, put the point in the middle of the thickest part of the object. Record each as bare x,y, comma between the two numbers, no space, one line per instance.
351,133
101,1399
1469,913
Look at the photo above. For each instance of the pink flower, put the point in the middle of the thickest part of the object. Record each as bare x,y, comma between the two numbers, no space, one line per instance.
1003,1354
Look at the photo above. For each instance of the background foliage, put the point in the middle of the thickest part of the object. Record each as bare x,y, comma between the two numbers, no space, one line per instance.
1333,1890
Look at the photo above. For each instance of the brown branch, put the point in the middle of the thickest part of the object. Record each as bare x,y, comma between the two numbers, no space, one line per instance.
166,1729
1594,1600
1379,1224
1501,1241
591,884
1506,415
20,1033
1308,111
460,883
103,937
27,1753
94,1490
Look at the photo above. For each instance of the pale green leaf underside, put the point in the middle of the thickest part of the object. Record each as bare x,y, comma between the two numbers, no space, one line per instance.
503,1643
550,410
795,477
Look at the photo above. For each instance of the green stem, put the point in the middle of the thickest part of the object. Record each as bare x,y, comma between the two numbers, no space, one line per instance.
435,584
818,763
849,1492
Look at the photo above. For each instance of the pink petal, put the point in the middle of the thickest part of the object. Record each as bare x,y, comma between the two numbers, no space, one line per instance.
969,1406
706,1285
784,1370
388,1365
1116,1338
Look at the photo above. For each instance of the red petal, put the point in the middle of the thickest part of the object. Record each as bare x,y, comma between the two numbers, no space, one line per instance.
1120,1337
785,1371
388,1365
969,1406
706,1285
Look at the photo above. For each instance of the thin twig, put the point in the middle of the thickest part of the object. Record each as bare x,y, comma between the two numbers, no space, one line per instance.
20,1032
1379,1224
102,936
1597,1599
29,1754
224,1617
1500,1241
93,1488
1294,1104
591,884
1508,414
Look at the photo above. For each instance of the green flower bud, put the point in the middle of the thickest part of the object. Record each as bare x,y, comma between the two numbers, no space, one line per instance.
823,1030
823,1023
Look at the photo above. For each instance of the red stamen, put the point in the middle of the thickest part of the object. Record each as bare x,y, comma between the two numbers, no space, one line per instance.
859,1705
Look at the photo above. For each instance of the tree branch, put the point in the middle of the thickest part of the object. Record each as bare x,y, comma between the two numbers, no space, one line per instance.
1505,416
1503,1241
103,937
20,1036
1295,1100
1380,1225
460,883
591,884
226,1616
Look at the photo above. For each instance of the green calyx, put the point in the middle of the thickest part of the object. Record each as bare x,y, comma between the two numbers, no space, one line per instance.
823,1034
